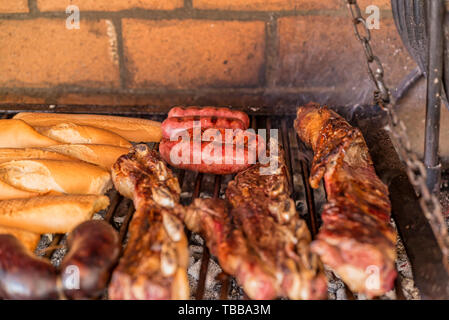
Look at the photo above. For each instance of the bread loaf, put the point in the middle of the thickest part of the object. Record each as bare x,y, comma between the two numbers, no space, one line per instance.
132,129
70,177
9,154
103,155
29,239
50,214
73,133
18,134
7,191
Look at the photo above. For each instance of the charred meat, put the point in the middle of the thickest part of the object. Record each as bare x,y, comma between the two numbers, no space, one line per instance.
154,263
211,218
267,217
356,239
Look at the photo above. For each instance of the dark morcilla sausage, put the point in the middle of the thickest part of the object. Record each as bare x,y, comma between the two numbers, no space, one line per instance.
23,275
94,249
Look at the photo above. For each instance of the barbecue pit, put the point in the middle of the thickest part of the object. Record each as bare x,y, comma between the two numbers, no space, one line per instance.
422,273
205,277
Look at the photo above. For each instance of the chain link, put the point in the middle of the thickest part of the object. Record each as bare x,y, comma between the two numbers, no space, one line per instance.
416,170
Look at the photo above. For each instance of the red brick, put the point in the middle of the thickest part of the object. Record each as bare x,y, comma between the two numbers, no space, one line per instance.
109,5
382,4
323,52
191,54
43,52
12,6
268,5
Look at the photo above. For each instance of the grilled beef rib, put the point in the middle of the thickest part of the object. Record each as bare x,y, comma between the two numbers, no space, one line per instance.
356,239
154,263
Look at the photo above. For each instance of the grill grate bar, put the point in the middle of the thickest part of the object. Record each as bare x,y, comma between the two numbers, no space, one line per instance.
225,280
115,200
206,255
312,216
53,245
286,145
198,183
349,294
203,273
124,227
398,288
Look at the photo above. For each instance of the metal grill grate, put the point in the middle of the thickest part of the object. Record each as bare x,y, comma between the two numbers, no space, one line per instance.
308,202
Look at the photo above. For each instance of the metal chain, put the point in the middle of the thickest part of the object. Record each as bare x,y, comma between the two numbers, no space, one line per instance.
416,170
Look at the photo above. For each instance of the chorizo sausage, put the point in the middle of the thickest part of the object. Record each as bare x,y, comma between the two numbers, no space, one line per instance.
209,112
213,156
173,125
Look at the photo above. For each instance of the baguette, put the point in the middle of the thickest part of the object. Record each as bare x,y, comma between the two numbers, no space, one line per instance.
18,134
70,177
7,191
9,154
50,214
29,239
73,133
103,155
132,129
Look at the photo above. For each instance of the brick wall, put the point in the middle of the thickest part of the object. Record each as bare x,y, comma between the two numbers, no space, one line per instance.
259,53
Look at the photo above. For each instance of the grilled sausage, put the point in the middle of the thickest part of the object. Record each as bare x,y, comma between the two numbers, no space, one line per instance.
209,112
23,275
94,249
236,155
173,125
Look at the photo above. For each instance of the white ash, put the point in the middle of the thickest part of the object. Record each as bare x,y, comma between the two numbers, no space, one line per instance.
335,287
186,195
340,294
196,239
45,241
185,198
405,274
59,254
212,285
235,292
195,252
206,194
119,220
97,216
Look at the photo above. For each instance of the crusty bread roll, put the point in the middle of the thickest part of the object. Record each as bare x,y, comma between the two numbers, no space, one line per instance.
103,155
132,129
74,133
18,134
50,214
29,239
71,177
7,191
9,154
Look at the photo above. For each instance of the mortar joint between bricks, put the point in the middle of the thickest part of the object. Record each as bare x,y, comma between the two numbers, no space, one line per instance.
271,51
32,6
